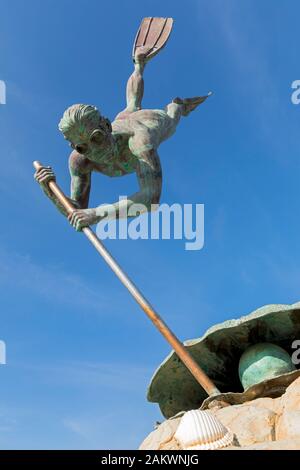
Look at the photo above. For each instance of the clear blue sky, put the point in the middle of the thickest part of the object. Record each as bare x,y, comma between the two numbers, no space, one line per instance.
80,352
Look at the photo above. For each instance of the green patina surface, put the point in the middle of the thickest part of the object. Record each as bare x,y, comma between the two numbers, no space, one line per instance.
128,144
218,352
263,361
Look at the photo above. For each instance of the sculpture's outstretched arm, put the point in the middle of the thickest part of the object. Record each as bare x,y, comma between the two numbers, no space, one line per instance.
43,176
80,171
146,199
150,182
149,177
80,189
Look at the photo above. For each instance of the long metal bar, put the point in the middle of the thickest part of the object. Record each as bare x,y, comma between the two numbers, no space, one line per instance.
178,347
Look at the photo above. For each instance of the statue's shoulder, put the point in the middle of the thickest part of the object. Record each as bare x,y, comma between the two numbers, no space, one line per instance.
122,127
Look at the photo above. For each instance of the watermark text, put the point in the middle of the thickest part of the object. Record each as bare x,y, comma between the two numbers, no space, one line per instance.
2,352
178,222
2,92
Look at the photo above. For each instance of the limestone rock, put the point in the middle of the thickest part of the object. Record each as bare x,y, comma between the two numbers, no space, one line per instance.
272,404
249,423
162,437
288,426
260,424
291,399
287,444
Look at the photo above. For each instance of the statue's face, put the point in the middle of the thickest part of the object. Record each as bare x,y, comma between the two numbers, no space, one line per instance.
96,144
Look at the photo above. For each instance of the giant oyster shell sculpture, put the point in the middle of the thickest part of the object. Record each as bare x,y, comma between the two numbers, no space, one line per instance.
218,351
201,430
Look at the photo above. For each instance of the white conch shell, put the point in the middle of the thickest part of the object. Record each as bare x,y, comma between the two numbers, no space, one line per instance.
201,430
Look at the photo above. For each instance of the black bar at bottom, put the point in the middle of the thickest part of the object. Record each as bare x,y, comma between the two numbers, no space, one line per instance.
134,459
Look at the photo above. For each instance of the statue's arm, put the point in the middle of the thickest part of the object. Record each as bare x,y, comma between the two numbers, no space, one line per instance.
149,176
80,185
147,198
150,183
80,172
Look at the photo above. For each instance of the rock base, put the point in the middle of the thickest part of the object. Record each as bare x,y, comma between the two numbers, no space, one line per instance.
261,424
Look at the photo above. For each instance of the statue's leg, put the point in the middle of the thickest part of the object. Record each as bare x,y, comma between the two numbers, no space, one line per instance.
179,107
168,120
134,91
189,104
174,111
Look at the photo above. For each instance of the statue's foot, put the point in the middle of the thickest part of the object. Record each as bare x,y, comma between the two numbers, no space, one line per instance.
142,55
152,36
189,104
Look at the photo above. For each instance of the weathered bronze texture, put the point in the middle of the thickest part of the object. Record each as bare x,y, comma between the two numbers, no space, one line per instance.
263,361
219,351
128,144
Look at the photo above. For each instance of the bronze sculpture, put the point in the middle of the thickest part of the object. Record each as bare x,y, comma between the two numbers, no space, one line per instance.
126,145
129,144
130,147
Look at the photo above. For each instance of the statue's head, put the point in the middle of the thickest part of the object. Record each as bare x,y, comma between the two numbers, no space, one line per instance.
86,130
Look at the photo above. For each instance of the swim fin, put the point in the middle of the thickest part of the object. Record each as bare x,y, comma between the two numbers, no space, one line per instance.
189,104
152,36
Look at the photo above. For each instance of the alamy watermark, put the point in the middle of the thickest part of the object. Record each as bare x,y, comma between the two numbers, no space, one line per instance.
296,354
2,352
2,92
295,97
178,222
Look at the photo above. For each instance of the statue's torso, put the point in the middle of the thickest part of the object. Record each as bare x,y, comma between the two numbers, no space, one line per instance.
149,127
123,161
118,165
